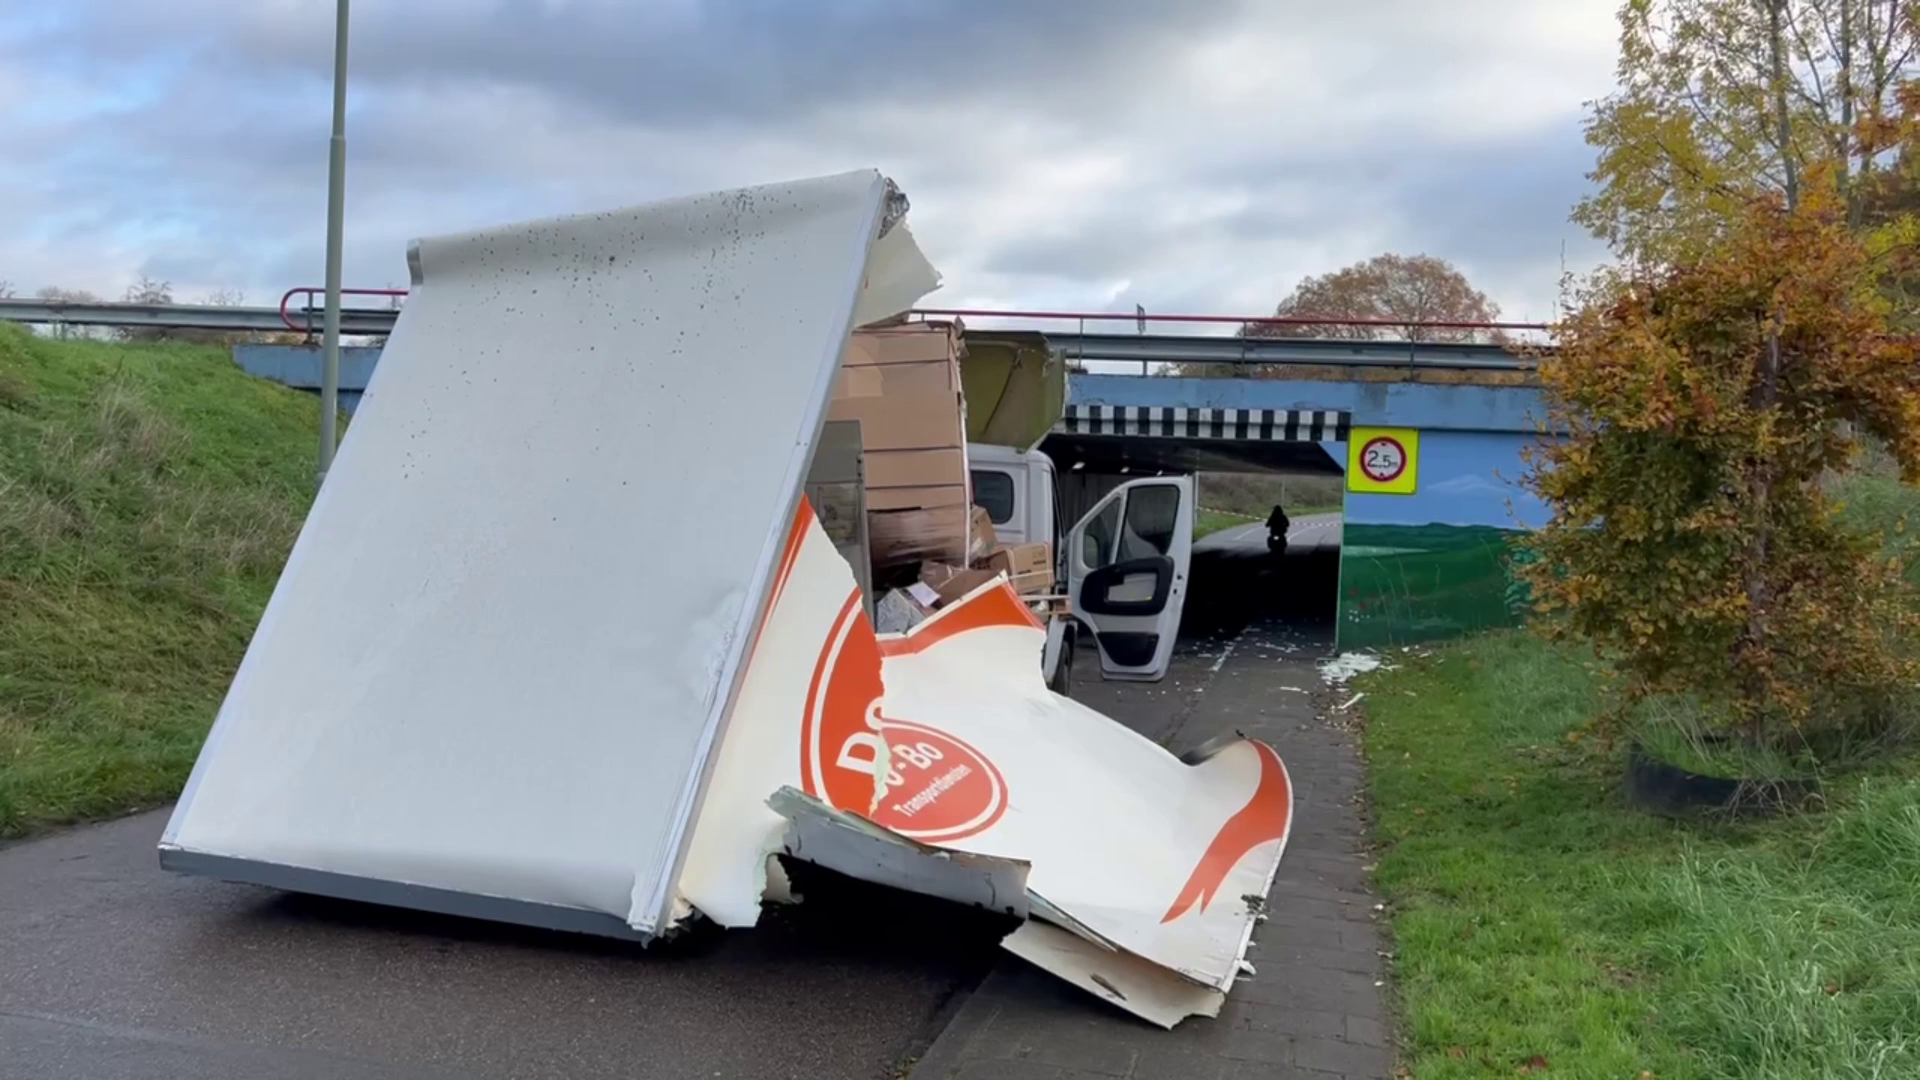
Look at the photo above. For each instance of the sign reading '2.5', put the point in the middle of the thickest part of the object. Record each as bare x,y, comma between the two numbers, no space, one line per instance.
1383,461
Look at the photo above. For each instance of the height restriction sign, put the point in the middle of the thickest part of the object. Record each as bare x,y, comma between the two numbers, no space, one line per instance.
1383,461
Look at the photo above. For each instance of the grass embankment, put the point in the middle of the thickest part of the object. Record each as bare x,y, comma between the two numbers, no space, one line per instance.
148,495
1543,926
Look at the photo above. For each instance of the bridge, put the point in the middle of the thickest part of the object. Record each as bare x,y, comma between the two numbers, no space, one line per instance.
1425,543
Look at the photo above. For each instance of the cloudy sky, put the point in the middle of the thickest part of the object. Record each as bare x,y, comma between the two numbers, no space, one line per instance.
1197,155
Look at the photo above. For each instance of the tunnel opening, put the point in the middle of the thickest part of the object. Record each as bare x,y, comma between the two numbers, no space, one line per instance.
1236,578
1242,576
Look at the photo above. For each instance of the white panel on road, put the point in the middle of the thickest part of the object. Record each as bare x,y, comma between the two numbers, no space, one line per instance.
506,639
1152,869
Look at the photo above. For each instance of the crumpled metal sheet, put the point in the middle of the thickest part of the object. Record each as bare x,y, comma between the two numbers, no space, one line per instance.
1144,874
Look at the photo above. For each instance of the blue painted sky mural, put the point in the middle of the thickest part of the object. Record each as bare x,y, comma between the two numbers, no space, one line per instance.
1466,478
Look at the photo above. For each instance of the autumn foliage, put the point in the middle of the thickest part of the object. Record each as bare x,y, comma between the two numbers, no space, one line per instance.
1691,539
1388,297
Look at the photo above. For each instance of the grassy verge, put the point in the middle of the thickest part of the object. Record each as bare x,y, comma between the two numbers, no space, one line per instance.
1541,926
1206,522
148,495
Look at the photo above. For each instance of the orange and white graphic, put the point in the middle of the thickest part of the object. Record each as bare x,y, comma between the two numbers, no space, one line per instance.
947,736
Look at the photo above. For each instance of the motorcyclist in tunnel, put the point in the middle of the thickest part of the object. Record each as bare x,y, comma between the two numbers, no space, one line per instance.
1277,526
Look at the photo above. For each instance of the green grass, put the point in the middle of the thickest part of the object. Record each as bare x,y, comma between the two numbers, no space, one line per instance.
148,495
1207,522
1535,914
1874,501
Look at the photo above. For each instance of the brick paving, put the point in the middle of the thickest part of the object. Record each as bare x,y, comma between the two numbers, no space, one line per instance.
1316,1009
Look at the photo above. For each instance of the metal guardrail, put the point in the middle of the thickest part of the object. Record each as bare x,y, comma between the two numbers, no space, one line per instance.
232,319
1143,349
1243,351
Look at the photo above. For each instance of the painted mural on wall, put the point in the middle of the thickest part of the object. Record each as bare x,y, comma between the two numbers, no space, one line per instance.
1438,562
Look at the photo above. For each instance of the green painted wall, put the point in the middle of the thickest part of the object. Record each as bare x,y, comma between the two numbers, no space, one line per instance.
1401,584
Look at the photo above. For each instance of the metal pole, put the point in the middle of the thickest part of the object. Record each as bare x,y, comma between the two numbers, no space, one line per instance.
336,218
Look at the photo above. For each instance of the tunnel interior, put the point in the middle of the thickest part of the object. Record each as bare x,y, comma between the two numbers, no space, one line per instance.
1235,580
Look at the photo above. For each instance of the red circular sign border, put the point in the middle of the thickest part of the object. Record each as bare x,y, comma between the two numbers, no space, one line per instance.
1398,445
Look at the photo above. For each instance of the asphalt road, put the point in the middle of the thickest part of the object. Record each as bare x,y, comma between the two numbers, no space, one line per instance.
111,969
1312,531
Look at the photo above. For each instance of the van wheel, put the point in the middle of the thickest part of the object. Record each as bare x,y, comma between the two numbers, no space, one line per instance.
1062,682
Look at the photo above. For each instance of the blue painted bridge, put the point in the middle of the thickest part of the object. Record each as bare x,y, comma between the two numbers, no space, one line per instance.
1424,555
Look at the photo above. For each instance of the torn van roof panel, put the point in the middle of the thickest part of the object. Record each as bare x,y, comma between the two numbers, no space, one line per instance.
498,657
947,738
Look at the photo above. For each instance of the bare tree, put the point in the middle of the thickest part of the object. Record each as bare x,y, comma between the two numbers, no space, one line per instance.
148,291
53,294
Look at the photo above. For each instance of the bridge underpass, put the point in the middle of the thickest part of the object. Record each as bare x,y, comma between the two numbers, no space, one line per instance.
1235,580
1424,553
1425,558
1430,560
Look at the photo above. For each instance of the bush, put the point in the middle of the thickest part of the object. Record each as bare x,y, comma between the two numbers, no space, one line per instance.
1692,539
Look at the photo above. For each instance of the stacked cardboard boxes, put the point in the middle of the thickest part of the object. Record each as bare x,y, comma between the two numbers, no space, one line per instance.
1028,567
902,383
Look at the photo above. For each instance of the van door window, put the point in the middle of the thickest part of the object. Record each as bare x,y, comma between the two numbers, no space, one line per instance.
1097,542
993,492
1151,516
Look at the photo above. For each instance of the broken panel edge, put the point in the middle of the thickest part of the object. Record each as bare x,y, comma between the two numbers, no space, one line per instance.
365,890
1155,994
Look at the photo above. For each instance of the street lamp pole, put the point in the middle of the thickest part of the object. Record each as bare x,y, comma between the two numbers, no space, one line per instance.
336,218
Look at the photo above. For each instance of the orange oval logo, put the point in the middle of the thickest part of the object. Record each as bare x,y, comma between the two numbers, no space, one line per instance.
934,787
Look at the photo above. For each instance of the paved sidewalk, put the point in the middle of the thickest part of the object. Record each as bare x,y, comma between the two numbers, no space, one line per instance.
1316,1009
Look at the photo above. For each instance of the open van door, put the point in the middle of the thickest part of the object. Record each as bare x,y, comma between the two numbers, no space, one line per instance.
1127,566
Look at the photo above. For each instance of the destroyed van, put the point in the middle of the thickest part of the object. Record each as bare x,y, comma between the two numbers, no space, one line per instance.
506,675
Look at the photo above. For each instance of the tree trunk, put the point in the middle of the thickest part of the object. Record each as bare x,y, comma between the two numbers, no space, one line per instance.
1763,398
1849,191
1783,121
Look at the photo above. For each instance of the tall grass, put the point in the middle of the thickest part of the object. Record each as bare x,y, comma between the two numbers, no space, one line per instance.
1536,914
148,494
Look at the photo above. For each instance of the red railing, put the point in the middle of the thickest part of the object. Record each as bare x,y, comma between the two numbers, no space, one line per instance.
311,291
1233,320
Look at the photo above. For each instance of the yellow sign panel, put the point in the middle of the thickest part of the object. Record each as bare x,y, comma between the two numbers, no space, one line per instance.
1383,461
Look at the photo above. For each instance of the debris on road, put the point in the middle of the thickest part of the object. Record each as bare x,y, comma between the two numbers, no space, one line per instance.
1341,669
497,680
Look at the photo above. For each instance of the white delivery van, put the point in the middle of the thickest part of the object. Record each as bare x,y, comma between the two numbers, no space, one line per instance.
1123,568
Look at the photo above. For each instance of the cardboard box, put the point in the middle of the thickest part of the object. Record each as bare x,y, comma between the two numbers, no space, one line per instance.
1035,583
903,342
1017,559
895,537
904,388
950,496
950,582
980,537
905,422
915,468
901,383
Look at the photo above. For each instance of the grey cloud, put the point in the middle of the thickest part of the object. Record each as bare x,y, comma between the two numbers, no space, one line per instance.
1055,152
670,65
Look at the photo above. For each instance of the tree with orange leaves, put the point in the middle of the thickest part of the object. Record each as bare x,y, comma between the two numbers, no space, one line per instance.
1703,403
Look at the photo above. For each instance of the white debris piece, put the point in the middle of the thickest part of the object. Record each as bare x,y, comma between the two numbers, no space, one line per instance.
492,673
895,614
1344,667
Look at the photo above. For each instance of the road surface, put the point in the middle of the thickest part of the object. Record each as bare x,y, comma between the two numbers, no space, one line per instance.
1314,530
111,969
